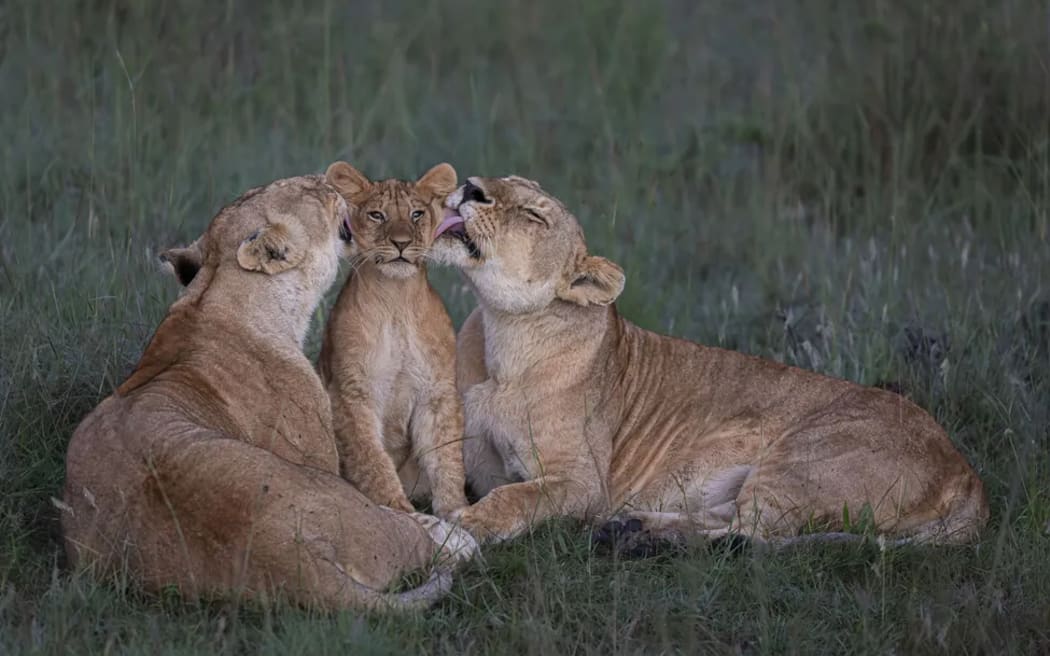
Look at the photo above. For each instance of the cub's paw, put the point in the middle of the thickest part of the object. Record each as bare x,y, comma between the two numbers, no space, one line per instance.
455,543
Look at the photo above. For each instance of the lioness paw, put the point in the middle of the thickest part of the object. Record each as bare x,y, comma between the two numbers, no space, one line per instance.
628,537
481,526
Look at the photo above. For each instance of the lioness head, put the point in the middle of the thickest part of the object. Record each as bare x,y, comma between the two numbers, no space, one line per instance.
392,220
299,225
521,248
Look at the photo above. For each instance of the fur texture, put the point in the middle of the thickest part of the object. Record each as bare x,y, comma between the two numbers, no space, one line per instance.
572,410
213,468
388,357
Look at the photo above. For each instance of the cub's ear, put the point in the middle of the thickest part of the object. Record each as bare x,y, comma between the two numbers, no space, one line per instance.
183,262
440,180
273,249
596,281
347,180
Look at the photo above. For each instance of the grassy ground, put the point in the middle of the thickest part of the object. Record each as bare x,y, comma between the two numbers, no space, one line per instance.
856,187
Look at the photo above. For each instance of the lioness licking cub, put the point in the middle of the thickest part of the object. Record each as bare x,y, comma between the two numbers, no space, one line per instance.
572,410
213,468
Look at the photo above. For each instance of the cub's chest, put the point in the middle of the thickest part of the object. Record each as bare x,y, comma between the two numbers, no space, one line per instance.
389,363
399,362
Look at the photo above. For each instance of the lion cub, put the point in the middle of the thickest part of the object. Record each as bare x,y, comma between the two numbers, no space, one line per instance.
389,352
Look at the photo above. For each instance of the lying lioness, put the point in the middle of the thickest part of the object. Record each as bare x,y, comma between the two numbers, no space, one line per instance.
572,410
213,468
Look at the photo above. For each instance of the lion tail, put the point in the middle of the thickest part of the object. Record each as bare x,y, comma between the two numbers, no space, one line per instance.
419,598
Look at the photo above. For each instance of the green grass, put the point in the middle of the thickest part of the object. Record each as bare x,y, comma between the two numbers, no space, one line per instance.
856,187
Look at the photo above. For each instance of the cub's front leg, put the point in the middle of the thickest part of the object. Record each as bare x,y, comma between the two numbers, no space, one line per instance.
437,441
363,459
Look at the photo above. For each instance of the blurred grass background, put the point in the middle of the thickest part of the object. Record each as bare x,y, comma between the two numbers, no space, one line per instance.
857,187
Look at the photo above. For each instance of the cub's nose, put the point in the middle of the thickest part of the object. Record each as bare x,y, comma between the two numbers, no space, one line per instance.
401,244
472,192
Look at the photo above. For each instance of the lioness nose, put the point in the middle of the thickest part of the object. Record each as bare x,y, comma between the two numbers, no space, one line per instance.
401,244
472,192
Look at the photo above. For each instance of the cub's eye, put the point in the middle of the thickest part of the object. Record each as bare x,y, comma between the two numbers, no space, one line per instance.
535,216
378,217
417,214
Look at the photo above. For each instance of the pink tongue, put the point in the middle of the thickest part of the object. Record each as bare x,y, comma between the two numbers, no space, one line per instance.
450,219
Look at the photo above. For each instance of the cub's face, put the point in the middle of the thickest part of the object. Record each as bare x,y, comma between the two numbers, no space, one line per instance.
296,226
521,248
393,221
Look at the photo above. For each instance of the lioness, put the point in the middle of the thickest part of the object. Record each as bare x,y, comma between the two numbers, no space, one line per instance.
389,352
213,468
572,410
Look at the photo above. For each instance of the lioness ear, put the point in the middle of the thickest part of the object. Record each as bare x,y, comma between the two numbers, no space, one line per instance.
596,281
183,262
276,248
440,180
347,180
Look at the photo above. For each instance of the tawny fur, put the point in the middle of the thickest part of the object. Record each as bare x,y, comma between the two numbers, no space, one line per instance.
572,410
213,468
389,351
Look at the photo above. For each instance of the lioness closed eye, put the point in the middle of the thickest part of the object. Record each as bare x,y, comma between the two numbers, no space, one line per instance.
389,352
572,410
213,468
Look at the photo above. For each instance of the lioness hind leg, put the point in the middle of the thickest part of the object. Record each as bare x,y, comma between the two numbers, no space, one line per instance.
791,494
959,519
233,517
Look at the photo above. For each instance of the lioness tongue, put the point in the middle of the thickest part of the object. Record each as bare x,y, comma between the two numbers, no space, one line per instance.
450,219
